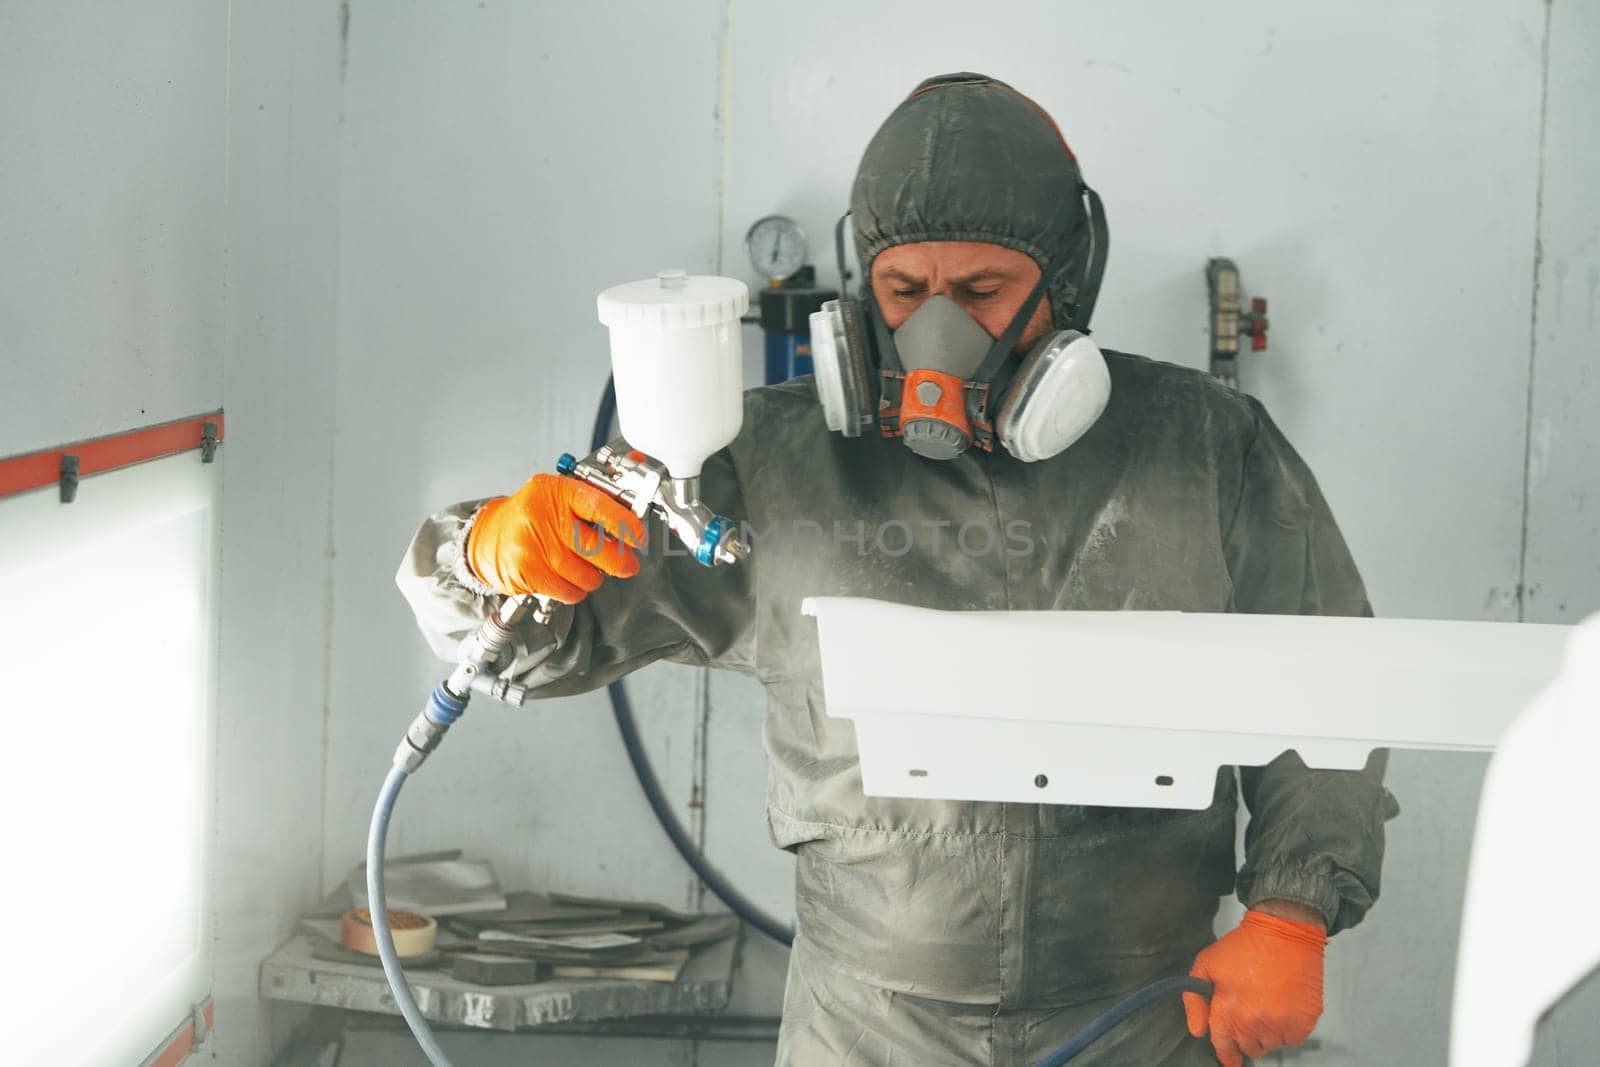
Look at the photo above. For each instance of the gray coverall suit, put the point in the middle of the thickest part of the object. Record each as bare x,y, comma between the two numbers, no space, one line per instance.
939,932
935,932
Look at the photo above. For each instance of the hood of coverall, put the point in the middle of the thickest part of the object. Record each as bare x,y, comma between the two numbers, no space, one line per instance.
968,158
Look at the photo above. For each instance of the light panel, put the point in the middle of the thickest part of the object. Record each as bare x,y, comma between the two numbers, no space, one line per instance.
107,635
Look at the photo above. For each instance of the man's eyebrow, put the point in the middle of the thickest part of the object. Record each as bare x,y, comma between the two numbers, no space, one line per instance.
985,274
982,274
896,274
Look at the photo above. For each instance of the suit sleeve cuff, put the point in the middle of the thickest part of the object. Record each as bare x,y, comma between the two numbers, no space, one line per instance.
456,552
1298,885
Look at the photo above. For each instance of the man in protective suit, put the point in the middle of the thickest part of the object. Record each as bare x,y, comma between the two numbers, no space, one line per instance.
942,932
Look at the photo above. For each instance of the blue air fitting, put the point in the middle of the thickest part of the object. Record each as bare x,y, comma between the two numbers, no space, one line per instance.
444,707
706,551
566,463
428,728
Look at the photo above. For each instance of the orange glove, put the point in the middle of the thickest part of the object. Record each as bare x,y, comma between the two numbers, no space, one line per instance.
1267,976
547,538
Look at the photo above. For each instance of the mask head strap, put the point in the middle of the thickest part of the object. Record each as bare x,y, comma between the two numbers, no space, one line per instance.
989,380
888,355
1006,343
889,373
838,253
1095,269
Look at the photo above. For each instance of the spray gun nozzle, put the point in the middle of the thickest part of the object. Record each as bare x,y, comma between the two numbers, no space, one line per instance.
733,549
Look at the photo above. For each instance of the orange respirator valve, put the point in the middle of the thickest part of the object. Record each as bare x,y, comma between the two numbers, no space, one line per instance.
933,414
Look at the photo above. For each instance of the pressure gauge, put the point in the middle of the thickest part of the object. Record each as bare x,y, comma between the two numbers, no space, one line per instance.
777,246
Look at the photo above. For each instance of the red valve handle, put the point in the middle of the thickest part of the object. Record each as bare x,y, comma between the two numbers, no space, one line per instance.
1258,324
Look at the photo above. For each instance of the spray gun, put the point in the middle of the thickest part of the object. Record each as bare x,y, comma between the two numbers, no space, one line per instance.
639,483
646,485
677,363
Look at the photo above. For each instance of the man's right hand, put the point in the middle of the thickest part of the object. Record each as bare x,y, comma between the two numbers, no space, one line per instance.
546,538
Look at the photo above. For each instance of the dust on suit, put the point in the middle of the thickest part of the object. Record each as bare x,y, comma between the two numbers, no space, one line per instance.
942,932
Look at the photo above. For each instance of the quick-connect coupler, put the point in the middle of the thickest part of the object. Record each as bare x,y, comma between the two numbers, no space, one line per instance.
429,727
473,674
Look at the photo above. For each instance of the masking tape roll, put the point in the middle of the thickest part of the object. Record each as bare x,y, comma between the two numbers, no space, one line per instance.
415,934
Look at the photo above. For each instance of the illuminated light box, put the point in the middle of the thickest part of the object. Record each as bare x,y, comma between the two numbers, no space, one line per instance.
107,642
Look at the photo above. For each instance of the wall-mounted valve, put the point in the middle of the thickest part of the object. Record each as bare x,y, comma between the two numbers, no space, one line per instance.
1230,324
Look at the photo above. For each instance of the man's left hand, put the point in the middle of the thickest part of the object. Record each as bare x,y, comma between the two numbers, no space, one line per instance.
1267,983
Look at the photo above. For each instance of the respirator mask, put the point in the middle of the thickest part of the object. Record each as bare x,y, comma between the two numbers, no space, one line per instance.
942,385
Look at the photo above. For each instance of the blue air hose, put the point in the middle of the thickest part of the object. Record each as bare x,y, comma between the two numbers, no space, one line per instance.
720,887
443,711
1101,1024
1097,1028
378,906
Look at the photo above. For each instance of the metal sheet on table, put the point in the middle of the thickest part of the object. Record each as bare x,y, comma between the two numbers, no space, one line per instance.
293,974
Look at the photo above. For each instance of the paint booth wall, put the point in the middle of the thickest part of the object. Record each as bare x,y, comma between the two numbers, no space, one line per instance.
168,180
281,358
499,170
112,201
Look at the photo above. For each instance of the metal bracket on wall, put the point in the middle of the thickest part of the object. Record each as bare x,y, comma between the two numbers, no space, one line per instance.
65,466
69,478
1229,324
186,1039
199,1018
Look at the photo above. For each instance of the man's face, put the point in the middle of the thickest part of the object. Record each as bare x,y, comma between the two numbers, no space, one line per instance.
989,282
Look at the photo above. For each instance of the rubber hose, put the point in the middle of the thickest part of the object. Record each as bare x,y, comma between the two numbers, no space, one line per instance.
378,906
720,887
1101,1024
